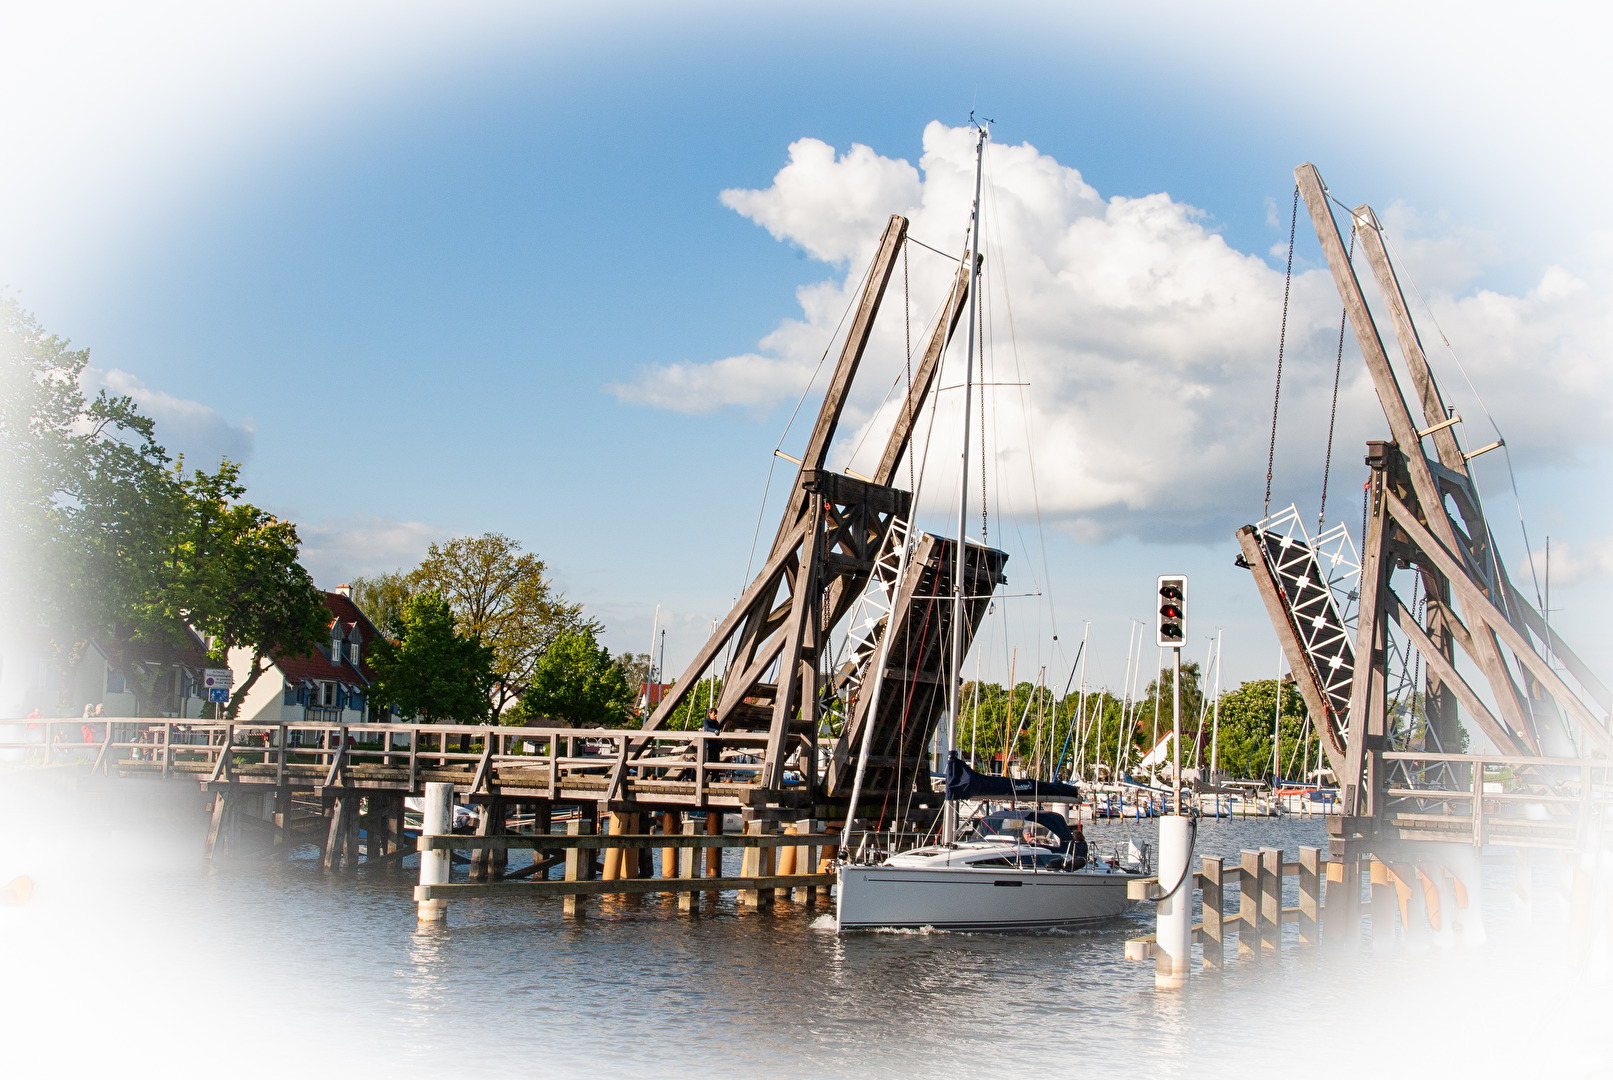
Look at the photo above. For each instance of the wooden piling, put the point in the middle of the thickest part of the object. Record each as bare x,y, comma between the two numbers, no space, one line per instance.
757,862
1271,899
336,835
713,855
1342,924
282,822
217,842
670,826
786,856
1249,908
806,862
1210,881
613,856
689,865
1384,902
579,867
1310,895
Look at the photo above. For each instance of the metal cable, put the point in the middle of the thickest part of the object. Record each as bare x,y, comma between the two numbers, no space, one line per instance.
1282,341
1332,418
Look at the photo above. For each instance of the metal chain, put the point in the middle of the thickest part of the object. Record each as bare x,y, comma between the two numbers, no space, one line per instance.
1282,341
1332,418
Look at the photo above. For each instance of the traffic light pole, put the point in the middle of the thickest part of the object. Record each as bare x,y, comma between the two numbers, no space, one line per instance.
1176,724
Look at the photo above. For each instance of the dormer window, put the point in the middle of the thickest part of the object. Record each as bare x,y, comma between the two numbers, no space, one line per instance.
352,653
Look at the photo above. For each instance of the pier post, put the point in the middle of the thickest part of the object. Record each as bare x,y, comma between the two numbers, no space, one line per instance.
501,856
1214,899
1271,899
336,836
714,856
1384,903
806,861
786,855
217,830
436,820
757,862
688,867
1310,895
1249,907
670,826
1342,923
1174,914
282,822
579,867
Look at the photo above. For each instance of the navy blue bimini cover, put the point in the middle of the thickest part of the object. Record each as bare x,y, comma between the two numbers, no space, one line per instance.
1017,823
965,783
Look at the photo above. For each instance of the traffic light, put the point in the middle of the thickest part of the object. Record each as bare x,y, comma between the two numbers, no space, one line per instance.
1170,627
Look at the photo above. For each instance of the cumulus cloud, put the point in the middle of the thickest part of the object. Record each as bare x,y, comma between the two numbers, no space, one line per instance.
1573,563
336,549
185,427
1149,343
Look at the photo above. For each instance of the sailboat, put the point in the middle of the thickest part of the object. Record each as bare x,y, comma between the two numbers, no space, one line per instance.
1017,868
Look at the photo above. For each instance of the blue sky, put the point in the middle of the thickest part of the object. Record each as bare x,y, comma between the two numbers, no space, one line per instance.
393,258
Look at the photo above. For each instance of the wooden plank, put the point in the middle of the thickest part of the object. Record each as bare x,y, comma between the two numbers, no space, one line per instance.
1249,908
1370,234
851,354
1434,657
1271,899
929,364
1368,684
1479,606
1211,884
1394,408
761,589
579,868
558,842
1310,895
766,882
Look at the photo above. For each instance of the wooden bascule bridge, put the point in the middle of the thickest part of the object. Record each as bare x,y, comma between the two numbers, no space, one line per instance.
1413,798
791,715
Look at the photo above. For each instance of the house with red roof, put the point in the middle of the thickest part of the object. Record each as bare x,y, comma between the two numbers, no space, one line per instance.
330,685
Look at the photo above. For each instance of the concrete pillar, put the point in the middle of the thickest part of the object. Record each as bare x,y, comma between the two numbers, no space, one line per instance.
1174,913
437,820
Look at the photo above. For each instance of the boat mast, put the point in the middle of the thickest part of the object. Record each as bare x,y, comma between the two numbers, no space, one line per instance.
949,814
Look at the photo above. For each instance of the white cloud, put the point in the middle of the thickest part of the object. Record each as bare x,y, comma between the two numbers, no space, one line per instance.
1572,563
337,549
1149,343
183,426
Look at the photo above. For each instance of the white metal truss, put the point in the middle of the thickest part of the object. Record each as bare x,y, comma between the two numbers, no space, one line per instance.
1320,585
870,613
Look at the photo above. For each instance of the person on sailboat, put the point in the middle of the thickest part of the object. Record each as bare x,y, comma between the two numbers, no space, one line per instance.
1079,849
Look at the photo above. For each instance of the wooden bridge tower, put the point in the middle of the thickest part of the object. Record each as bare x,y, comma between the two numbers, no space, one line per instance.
835,529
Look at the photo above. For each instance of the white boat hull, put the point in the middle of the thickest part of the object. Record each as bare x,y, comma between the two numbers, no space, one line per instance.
878,897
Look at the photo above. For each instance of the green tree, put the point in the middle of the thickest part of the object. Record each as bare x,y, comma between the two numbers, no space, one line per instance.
1244,743
425,667
381,598
88,508
577,682
499,595
240,583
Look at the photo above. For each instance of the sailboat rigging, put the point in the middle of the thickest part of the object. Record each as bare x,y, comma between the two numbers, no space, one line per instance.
1022,868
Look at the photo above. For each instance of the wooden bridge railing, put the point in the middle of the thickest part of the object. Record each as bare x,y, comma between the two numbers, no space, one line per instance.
289,752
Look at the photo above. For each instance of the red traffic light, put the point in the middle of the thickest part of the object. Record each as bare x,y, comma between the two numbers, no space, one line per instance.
1170,628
